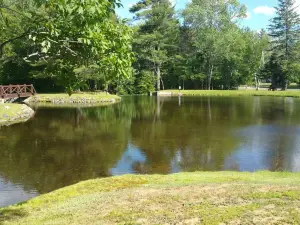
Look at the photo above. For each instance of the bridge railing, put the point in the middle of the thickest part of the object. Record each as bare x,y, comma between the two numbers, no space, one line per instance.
13,91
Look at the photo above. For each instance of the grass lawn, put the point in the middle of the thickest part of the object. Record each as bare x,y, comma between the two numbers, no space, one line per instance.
74,98
233,93
185,198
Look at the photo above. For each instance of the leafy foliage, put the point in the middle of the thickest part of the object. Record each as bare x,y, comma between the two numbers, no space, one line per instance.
79,34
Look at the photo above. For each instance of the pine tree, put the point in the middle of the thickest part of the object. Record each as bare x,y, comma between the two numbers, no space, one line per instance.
156,35
284,32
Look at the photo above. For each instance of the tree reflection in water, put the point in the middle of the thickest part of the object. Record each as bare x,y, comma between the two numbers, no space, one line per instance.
144,134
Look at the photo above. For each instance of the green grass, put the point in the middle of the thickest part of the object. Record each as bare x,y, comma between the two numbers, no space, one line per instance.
234,93
83,98
186,198
48,105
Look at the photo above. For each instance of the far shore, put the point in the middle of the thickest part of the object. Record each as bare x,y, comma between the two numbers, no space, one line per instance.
295,93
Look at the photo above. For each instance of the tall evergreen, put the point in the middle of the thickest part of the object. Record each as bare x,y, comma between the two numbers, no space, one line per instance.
284,31
156,36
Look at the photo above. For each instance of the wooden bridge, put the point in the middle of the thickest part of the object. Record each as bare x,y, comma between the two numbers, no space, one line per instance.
16,91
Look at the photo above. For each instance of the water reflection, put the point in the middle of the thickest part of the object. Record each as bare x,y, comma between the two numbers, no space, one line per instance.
130,160
11,193
267,147
144,135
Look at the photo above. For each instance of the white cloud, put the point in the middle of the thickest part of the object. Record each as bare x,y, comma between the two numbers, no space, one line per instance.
265,10
269,11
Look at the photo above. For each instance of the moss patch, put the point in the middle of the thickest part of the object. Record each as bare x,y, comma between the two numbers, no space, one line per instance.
295,94
186,198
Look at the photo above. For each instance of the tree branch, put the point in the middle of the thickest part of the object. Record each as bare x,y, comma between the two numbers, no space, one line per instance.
2,45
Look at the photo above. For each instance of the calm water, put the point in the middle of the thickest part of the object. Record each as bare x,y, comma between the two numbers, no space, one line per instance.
146,135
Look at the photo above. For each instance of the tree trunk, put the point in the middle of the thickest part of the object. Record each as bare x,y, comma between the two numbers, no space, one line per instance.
285,83
229,81
256,82
210,77
158,78
162,83
274,83
106,88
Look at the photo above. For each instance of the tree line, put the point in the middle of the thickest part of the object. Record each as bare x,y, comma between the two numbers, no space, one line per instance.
83,45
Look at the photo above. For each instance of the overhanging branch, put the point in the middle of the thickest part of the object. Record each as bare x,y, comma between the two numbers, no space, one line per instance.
2,45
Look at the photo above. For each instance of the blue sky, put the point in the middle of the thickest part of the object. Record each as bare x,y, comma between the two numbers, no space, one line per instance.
259,11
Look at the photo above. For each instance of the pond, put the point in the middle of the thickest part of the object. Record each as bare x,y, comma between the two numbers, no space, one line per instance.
147,135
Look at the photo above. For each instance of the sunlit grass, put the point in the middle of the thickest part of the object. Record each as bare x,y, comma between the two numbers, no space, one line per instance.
233,93
188,198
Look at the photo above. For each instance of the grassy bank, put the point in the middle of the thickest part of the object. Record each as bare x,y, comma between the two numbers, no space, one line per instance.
231,93
14,113
186,198
80,98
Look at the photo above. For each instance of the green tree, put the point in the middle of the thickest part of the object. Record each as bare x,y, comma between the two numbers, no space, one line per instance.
18,19
71,42
82,34
156,37
272,70
256,45
212,22
230,72
284,32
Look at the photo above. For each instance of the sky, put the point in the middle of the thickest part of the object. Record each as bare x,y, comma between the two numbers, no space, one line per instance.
259,11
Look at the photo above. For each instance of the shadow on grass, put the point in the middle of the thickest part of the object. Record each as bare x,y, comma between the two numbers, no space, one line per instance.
11,214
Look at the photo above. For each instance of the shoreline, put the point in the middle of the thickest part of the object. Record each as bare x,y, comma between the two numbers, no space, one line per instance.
191,198
11,113
79,99
225,93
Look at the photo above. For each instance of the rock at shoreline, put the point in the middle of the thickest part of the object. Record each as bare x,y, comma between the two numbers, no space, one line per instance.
16,114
